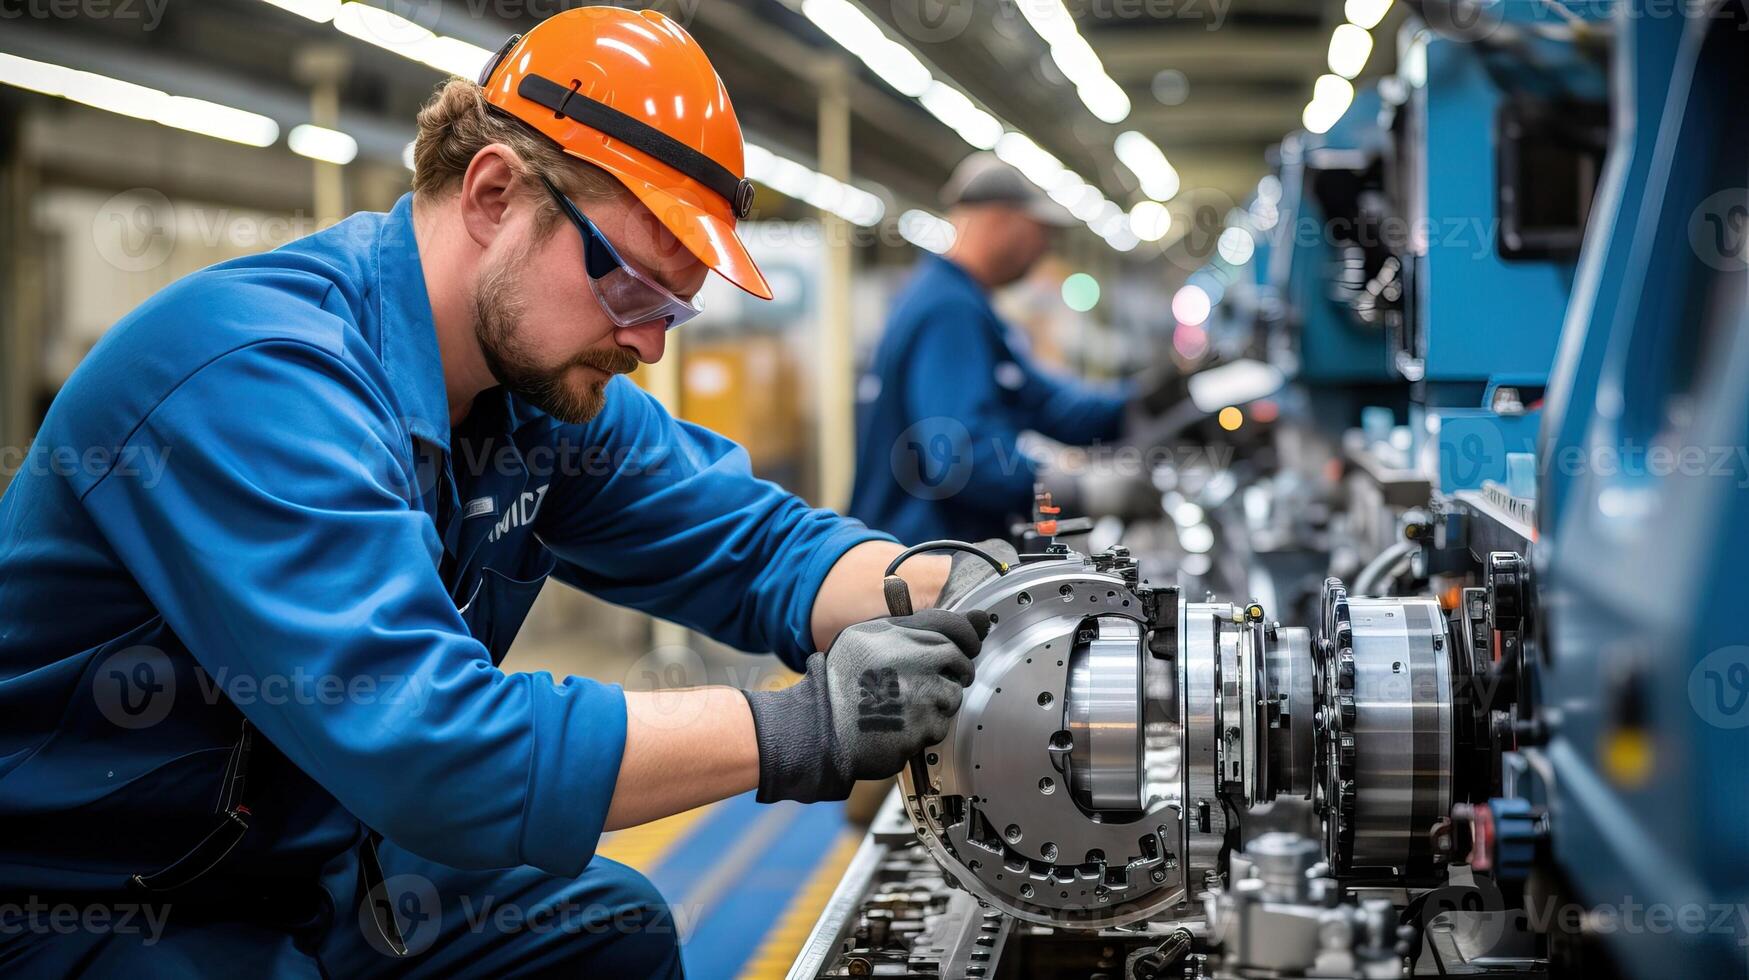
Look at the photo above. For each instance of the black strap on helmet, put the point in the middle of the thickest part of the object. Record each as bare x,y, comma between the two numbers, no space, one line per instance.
568,102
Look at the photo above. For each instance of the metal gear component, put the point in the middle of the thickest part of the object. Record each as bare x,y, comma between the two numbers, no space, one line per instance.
1385,762
1104,718
1057,795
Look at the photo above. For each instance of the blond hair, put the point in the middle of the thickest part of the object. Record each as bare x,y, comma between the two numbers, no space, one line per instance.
456,124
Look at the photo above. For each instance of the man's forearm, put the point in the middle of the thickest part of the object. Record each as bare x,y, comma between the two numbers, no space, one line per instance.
852,593
683,749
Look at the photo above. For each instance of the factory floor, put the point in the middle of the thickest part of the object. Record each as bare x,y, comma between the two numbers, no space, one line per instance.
746,881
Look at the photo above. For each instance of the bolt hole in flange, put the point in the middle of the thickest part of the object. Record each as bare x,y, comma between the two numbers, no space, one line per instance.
1012,834
1047,786
1045,699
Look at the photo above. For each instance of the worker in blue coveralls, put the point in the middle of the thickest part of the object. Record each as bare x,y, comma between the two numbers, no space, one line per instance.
292,511
951,386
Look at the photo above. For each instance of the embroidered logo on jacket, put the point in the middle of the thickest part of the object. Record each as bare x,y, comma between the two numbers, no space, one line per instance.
519,512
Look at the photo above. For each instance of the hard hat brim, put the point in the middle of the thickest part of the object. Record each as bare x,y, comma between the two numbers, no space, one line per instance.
709,236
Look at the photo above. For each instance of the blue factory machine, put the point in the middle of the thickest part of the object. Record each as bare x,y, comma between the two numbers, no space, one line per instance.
1478,703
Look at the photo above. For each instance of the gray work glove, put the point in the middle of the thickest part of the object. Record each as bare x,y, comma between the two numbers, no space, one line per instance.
967,572
886,689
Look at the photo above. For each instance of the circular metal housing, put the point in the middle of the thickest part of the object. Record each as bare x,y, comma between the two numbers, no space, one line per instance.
1056,795
1386,752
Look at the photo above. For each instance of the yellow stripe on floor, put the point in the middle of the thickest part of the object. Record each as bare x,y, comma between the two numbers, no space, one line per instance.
642,846
772,960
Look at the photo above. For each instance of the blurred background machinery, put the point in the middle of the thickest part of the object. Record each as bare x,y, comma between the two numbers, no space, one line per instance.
1470,708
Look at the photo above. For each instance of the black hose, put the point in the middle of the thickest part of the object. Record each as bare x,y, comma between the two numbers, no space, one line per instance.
1000,566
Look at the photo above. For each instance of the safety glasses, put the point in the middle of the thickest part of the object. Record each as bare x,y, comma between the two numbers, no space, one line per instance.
627,296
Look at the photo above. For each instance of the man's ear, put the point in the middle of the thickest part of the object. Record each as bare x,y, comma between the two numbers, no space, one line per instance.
489,196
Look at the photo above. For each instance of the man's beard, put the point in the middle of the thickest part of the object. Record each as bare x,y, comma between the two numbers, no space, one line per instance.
497,316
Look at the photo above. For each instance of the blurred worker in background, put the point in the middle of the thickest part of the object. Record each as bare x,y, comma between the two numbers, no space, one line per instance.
951,386
249,662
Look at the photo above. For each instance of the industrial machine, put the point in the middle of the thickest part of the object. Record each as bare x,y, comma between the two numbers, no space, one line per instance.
1500,730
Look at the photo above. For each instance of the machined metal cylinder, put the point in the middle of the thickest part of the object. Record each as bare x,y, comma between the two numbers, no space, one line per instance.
1104,718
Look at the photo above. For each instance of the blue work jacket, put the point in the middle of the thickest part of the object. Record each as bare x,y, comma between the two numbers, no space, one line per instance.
941,409
248,502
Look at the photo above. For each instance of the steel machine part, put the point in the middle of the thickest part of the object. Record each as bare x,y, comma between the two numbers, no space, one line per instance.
1057,795
1387,747
1114,740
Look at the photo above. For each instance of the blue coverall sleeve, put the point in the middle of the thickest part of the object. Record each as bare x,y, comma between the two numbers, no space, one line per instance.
1068,410
281,545
673,522
954,403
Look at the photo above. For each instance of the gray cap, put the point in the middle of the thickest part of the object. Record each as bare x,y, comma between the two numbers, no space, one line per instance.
983,178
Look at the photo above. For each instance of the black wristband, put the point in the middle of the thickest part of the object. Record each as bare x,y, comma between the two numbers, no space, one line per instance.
799,755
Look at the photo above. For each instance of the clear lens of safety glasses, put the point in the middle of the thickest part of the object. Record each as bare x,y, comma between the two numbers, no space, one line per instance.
627,297
630,299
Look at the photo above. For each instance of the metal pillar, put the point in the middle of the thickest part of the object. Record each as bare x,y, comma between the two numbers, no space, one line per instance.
21,311
324,69
835,432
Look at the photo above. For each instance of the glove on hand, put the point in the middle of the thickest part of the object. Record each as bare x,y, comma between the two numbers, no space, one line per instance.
886,689
967,572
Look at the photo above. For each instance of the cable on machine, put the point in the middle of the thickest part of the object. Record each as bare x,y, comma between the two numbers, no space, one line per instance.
898,593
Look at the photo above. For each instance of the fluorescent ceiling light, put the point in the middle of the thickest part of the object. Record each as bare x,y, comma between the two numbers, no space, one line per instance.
127,99
855,32
1366,14
398,35
960,114
859,34
791,179
1350,46
1150,221
926,231
1331,96
1138,153
321,143
1236,246
1076,59
320,11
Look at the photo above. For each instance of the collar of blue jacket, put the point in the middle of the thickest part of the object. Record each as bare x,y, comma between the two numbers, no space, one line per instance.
407,335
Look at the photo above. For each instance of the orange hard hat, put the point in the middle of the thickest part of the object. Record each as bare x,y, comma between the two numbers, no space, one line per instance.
632,93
